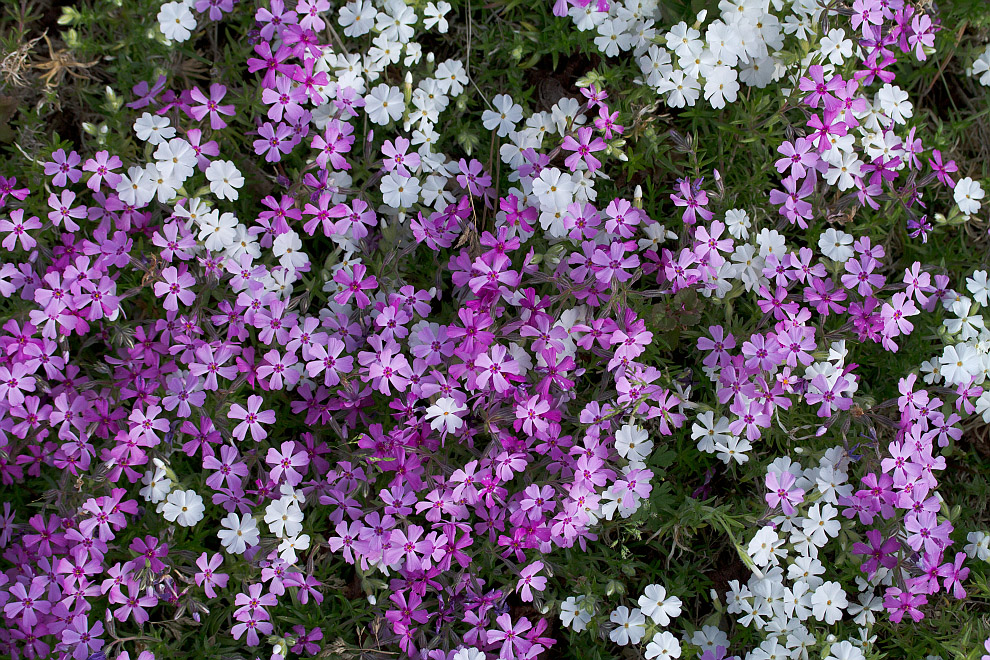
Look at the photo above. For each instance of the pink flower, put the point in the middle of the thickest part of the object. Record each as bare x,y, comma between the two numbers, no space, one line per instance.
528,581
102,165
18,228
783,492
26,603
510,638
211,106
62,167
285,462
208,576
14,381
275,141
583,147
175,288
252,418
354,285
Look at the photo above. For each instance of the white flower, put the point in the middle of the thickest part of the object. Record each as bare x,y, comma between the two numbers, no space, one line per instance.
821,523
153,128
284,517
288,548
764,547
844,170
684,41
134,187
398,191
968,194
630,628
656,235
218,231
633,443
771,241
738,223
979,287
895,104
505,116
444,415
397,21
658,606
721,86
707,431
836,47
224,178
357,18
287,248
844,650
709,638
554,189
175,158
978,546
959,362
384,103
162,185
238,533
682,89
176,21
157,485
827,602
663,646
836,245
573,613
451,77
434,14
733,448
184,507
981,67
613,37
469,653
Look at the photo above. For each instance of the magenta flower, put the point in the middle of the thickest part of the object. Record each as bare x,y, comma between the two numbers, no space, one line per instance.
354,285
285,99
782,491
134,604
798,156
14,381
102,165
397,159
694,199
899,603
879,551
278,369
27,602
63,211
819,88
284,463
176,287
252,625
830,397
583,147
473,177
211,106
63,167
510,638
528,580
82,637
18,229
275,141
252,418
207,577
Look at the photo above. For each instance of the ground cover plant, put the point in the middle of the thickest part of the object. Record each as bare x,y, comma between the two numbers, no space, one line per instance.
462,330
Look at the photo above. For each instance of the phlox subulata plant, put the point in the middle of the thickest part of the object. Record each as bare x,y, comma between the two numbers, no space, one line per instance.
296,344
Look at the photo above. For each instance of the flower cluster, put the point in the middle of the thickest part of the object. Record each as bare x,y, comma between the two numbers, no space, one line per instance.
229,379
